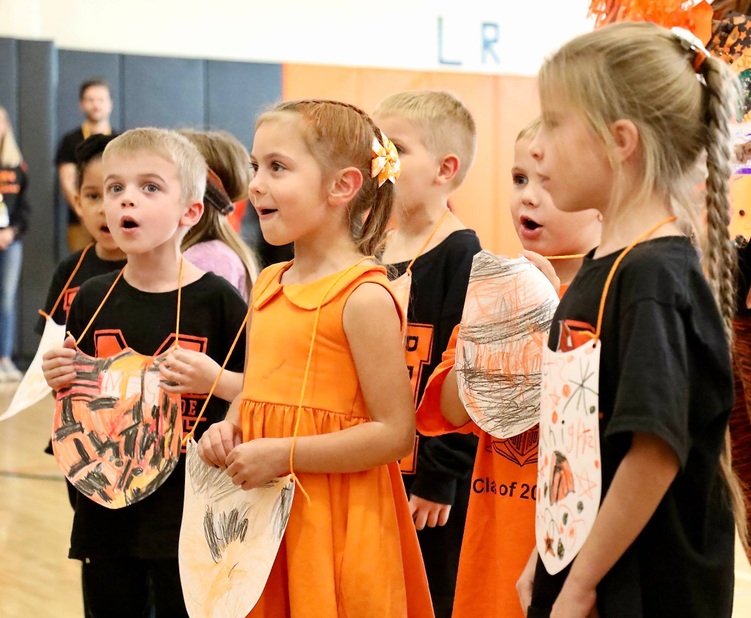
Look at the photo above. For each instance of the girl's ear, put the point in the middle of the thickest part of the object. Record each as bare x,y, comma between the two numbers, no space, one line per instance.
192,215
344,186
448,168
626,139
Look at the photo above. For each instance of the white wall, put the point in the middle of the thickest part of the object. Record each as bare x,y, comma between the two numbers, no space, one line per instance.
498,36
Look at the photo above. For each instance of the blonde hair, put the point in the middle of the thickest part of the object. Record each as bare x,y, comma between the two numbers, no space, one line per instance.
340,135
643,73
530,130
10,153
446,125
191,167
229,160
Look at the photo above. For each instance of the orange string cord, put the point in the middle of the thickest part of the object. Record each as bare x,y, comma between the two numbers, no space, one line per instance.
307,372
617,262
179,299
67,283
427,240
219,375
573,256
99,308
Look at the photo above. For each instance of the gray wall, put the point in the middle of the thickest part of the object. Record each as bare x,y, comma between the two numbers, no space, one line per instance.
39,88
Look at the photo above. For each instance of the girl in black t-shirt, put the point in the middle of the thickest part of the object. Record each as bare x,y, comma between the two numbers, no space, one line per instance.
630,112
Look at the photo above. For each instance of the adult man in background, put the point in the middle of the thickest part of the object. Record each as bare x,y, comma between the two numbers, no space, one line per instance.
95,101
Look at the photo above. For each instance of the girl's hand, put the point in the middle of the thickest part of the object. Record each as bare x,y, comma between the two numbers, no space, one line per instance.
525,581
217,443
57,365
188,371
575,601
255,463
428,513
545,267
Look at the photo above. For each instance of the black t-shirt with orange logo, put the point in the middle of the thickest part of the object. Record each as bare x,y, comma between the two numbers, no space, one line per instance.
439,469
91,266
210,317
13,183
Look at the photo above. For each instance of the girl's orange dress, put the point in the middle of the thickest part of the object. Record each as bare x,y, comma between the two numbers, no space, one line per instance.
352,551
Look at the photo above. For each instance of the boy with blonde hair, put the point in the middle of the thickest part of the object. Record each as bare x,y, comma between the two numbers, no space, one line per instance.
154,182
435,137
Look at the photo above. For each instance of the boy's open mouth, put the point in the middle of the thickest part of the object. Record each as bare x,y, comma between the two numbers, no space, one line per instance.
104,229
530,224
266,211
128,223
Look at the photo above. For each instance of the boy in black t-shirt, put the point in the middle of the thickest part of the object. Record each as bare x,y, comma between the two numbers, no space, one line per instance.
154,181
104,256
435,137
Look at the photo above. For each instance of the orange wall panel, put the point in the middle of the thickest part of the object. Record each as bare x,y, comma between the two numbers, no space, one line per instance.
501,106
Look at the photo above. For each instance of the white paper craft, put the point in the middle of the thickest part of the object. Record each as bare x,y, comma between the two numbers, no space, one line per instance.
507,311
569,473
229,539
33,387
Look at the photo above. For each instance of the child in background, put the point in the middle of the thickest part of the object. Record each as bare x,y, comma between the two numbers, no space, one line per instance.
631,113
326,393
212,244
501,516
435,137
154,182
104,255
14,221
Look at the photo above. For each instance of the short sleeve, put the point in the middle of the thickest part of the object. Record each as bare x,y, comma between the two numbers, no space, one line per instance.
430,421
654,376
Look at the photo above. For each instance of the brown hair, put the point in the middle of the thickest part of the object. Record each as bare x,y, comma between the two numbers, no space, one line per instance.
340,135
91,83
646,74
229,160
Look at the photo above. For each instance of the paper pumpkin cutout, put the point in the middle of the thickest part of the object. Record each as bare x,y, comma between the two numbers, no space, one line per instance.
33,387
229,539
116,434
569,474
507,311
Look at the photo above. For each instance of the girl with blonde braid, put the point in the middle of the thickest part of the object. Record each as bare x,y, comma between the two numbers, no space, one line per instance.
326,393
630,114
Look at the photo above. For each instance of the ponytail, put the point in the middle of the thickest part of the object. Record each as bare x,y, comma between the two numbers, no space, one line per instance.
720,257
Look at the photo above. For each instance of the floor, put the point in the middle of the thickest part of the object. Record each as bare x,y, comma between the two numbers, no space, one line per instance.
36,578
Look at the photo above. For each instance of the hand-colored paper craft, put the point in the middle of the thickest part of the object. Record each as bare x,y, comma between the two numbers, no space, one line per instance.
33,387
507,311
229,539
116,433
569,474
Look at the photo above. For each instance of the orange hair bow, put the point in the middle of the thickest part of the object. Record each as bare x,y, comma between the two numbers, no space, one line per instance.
385,164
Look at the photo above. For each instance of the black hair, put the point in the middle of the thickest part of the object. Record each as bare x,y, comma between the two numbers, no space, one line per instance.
90,83
88,150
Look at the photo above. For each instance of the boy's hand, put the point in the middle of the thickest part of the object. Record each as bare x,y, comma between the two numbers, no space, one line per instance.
188,371
57,365
545,266
254,463
428,513
217,443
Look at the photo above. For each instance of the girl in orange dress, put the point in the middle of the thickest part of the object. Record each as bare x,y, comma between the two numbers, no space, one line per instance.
326,394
